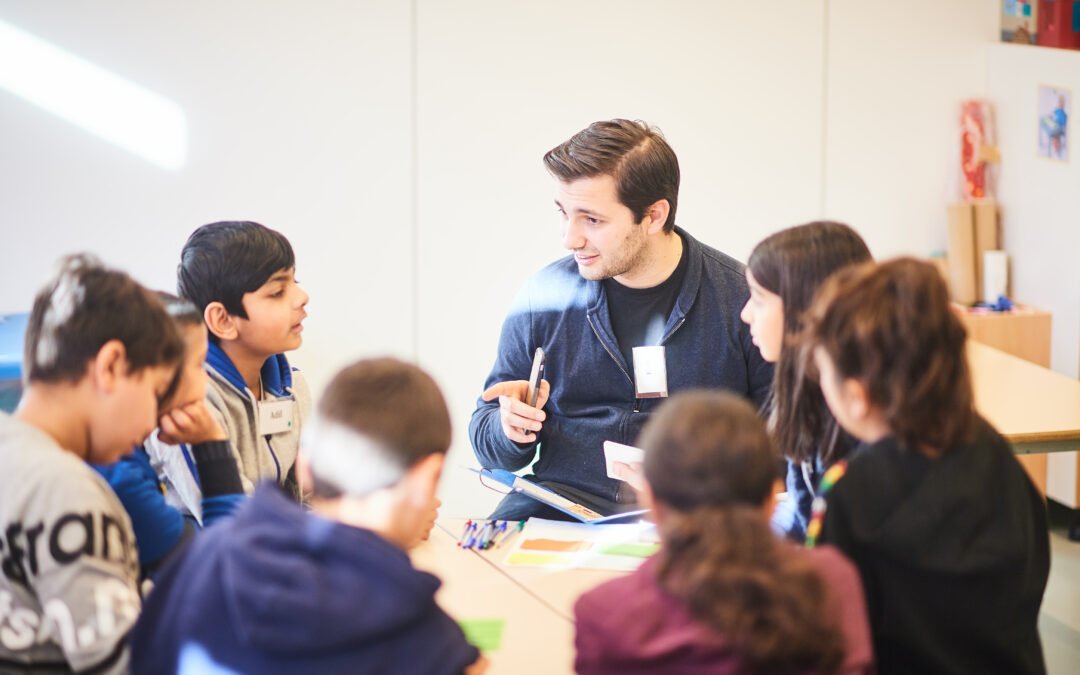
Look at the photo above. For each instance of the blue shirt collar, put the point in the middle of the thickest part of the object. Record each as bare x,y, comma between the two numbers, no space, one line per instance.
276,372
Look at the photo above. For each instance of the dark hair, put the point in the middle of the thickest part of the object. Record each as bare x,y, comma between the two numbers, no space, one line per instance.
636,155
710,463
183,311
391,402
222,261
84,306
793,263
892,328
186,315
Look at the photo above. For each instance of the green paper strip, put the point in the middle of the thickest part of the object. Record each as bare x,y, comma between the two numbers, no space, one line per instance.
484,634
631,550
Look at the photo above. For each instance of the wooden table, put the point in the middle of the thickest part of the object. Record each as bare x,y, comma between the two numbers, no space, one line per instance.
557,589
536,638
1034,408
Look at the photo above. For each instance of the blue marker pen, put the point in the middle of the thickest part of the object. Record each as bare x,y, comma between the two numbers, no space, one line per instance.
493,540
464,535
491,532
484,529
510,535
477,529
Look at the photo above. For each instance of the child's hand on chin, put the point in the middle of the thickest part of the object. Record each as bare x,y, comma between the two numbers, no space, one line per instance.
192,424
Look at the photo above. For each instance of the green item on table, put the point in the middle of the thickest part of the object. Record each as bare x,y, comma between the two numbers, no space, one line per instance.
484,634
631,550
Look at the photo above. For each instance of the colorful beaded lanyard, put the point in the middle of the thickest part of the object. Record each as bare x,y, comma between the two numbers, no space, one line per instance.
817,509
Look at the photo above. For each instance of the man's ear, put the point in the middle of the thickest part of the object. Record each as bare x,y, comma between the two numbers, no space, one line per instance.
109,365
220,322
656,215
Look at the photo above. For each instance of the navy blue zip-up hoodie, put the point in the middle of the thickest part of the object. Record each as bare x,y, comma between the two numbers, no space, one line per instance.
592,390
275,590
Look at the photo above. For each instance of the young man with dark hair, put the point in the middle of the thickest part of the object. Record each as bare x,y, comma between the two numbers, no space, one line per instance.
100,355
242,278
640,309
279,590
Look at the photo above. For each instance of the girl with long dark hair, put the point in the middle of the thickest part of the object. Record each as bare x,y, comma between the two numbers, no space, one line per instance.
784,271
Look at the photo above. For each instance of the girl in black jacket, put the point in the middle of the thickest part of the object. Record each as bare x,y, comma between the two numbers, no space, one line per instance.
945,527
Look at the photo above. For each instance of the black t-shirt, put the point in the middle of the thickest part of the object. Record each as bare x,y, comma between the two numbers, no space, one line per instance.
638,315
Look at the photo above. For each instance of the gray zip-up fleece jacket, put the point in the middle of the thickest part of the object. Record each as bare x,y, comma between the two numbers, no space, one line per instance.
259,456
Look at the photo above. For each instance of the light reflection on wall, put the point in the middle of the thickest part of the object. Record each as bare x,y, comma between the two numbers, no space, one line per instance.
96,100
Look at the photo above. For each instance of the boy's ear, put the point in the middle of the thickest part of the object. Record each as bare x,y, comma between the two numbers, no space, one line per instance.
109,365
423,478
220,322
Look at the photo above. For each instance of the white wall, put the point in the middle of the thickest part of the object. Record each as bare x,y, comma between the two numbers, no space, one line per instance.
310,118
1040,198
501,83
297,119
897,73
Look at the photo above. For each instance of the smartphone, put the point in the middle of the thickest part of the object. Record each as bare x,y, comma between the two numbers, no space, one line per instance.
535,377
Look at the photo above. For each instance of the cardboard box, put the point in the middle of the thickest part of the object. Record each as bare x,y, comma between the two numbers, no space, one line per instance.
961,255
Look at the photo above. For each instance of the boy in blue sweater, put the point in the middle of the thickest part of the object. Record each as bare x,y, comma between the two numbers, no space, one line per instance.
160,528
279,590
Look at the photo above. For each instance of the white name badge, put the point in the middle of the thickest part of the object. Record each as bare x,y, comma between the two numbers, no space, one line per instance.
275,417
650,372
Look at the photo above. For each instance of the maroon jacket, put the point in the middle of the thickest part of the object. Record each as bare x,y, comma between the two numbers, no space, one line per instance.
631,625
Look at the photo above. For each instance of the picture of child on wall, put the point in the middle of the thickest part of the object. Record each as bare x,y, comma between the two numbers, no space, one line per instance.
1054,122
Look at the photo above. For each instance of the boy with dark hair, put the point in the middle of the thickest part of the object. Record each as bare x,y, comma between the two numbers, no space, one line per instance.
160,528
278,590
241,277
100,354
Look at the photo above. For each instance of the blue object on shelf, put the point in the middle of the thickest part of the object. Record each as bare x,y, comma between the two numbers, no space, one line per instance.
12,331
1003,304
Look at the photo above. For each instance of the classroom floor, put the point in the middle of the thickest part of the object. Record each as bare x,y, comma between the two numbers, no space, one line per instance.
1059,622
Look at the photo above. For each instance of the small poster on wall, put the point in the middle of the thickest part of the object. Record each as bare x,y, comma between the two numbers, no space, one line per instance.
1054,105
1018,21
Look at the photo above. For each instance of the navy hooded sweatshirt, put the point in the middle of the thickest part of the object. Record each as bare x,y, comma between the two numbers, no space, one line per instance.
275,590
